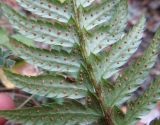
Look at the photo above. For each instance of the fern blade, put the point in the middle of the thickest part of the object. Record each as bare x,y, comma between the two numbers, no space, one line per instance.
49,60
43,32
133,76
48,10
102,38
49,85
99,16
120,52
70,112
143,104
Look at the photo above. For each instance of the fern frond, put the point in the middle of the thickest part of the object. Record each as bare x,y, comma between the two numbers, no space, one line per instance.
133,76
99,15
51,34
49,85
22,39
69,113
143,104
120,52
89,45
48,9
48,60
84,3
147,101
115,31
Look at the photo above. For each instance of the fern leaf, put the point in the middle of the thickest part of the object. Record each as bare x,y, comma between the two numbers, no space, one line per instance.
84,3
120,52
146,101
88,28
40,31
24,40
89,4
49,85
69,113
99,16
48,60
30,43
112,34
133,76
143,104
119,21
46,9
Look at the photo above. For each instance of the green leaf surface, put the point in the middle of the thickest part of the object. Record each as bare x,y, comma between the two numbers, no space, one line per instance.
115,31
60,62
99,16
133,76
147,101
23,40
120,52
90,4
41,31
49,10
69,113
49,85
143,104
84,3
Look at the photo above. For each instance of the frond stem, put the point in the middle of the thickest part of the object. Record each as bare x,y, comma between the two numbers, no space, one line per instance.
89,69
